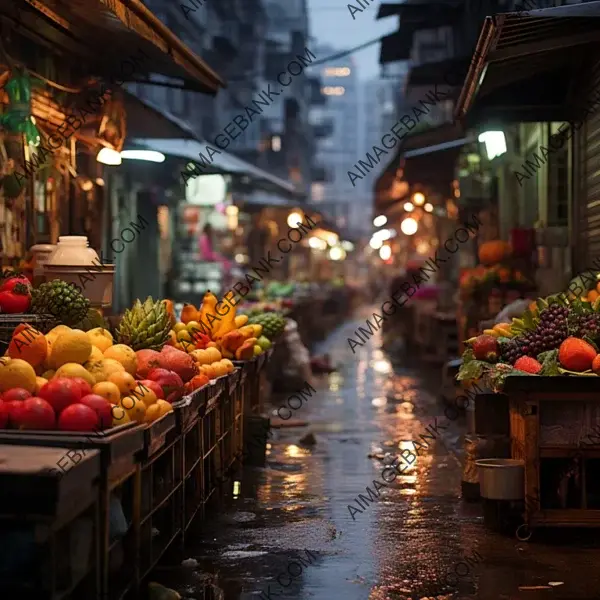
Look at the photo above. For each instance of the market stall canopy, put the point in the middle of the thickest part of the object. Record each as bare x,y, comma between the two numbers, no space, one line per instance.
104,33
520,59
220,162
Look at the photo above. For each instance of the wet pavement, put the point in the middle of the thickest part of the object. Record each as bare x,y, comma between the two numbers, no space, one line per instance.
290,531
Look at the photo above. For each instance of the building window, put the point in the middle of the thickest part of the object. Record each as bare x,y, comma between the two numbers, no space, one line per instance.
336,72
337,90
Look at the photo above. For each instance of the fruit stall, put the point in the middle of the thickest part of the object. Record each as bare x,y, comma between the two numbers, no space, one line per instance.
125,431
489,287
547,365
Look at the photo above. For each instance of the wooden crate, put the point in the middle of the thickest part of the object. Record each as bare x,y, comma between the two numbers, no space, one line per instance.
119,470
49,525
551,419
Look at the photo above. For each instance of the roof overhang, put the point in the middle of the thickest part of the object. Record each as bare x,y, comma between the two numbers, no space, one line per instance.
419,10
519,59
104,33
451,70
221,162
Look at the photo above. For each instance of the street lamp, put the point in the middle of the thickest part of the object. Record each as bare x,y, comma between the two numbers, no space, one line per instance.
419,199
409,226
294,219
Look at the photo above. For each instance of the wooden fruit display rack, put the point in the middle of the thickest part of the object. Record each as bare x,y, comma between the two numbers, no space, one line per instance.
163,475
554,428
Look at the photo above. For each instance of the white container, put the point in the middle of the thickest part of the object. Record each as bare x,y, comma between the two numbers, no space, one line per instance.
73,251
501,478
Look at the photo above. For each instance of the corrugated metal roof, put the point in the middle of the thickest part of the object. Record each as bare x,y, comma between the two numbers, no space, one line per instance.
105,33
520,57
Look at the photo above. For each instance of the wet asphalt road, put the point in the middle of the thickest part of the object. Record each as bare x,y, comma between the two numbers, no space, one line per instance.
416,539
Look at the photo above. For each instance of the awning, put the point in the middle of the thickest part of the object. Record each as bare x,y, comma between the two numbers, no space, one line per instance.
439,147
449,70
396,46
266,199
108,33
525,63
221,162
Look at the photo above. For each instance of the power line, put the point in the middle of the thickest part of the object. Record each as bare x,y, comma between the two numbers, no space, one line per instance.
346,52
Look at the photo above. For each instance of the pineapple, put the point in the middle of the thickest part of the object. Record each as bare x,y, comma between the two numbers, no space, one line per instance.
145,326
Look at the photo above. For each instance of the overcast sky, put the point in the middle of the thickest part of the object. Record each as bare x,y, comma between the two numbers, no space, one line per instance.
332,23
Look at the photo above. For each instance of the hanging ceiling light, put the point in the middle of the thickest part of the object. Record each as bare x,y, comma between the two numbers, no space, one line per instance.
108,156
408,207
147,155
380,221
428,207
495,143
409,226
376,243
337,253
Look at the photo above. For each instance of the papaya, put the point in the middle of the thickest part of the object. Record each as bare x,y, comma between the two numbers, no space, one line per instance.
189,313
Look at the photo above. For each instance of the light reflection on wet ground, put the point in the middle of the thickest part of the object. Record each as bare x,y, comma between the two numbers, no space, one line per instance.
399,547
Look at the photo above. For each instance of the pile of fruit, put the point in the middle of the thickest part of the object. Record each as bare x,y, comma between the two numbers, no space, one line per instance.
66,366
556,336
214,335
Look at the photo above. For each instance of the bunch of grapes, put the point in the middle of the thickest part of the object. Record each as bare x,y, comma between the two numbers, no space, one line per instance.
585,325
550,332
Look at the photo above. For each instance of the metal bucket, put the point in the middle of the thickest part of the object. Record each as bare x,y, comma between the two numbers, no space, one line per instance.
501,478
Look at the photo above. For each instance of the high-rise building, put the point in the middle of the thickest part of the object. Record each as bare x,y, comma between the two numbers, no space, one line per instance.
337,131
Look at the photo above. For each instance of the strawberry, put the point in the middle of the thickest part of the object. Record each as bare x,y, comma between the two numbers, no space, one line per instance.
576,355
528,364
485,347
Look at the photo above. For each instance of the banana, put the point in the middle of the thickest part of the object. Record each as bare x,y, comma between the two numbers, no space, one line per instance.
491,332
471,340
504,330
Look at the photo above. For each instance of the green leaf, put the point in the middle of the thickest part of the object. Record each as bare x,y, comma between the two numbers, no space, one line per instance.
541,304
550,365
474,369
528,320
587,373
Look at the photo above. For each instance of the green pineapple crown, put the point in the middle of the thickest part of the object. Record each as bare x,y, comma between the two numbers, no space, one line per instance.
145,326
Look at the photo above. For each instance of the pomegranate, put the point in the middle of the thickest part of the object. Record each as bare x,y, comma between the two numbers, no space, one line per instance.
78,417
36,413
16,394
101,406
60,393
84,386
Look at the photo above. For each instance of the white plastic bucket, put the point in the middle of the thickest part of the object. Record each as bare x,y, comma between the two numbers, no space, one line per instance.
501,478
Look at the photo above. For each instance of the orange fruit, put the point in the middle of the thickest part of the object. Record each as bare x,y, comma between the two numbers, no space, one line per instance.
29,345
592,295
164,406
135,409
598,287
202,357
143,393
119,415
108,390
152,413
123,380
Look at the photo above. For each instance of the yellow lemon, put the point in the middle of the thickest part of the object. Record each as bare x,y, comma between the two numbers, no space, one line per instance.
101,338
103,369
179,327
123,354
76,370
55,332
213,354
184,336
230,366
202,357
70,347
108,390
16,373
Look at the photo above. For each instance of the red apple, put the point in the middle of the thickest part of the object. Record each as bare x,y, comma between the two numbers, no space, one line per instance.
16,394
60,393
36,413
4,414
78,417
84,386
101,406
154,386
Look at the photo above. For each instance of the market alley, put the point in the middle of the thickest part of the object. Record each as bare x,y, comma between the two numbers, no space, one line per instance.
290,533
